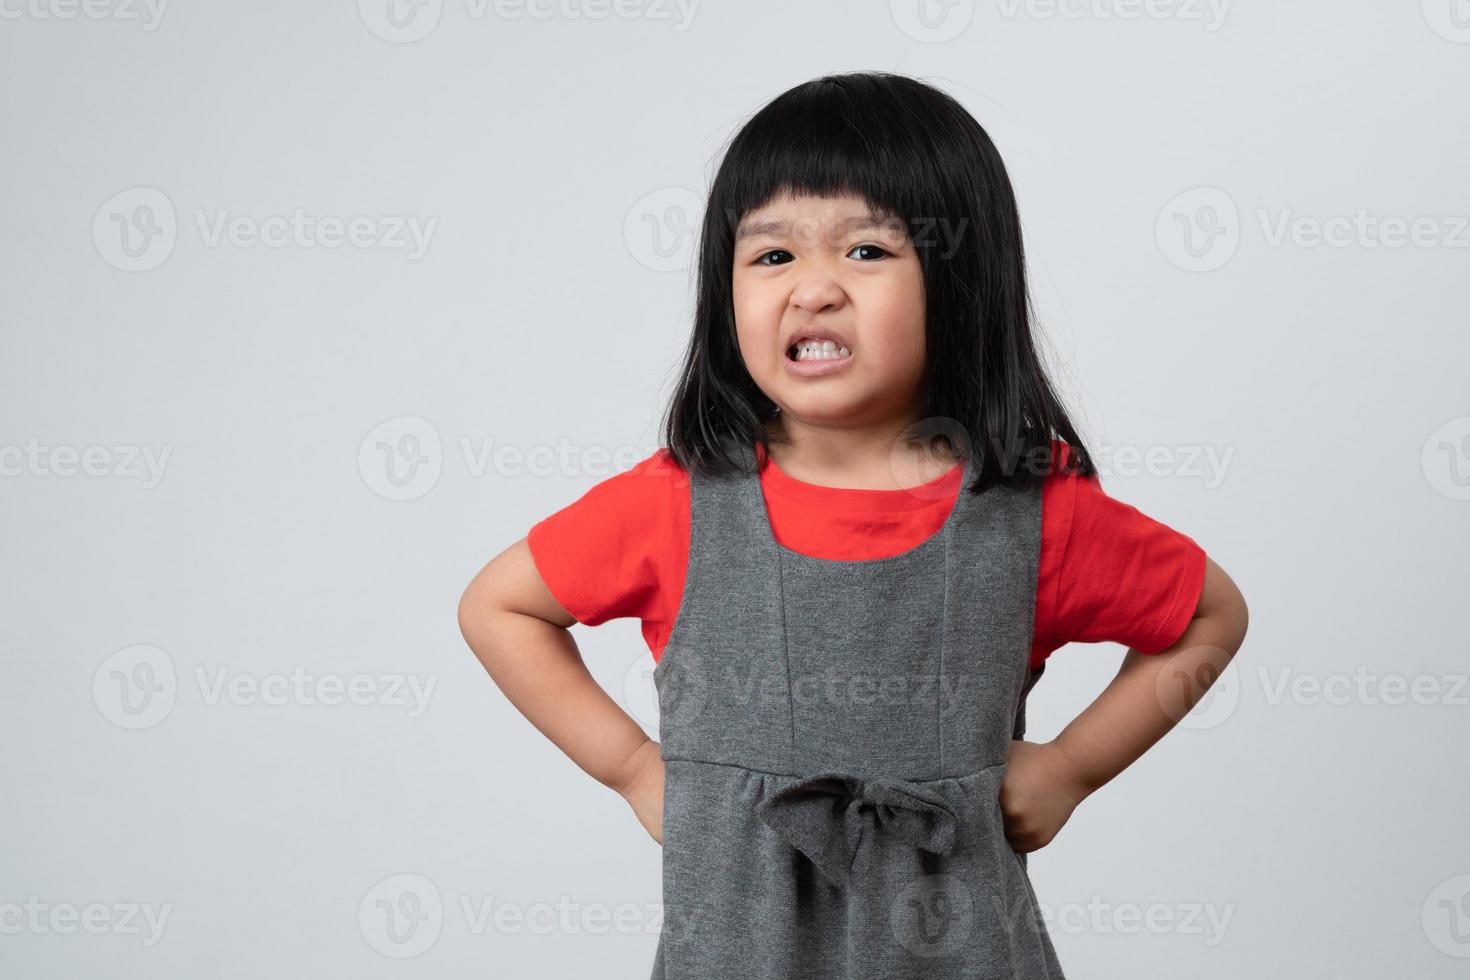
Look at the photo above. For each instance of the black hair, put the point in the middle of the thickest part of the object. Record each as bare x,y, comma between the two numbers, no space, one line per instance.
912,153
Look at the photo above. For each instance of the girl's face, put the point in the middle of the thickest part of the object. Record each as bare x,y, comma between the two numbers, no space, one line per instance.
829,311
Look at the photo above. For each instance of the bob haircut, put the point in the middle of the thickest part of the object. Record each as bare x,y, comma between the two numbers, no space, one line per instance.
916,155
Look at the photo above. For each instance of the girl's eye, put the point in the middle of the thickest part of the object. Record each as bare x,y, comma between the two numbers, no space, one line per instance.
872,249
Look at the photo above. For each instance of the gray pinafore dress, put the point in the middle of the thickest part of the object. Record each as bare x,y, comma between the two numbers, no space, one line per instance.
834,735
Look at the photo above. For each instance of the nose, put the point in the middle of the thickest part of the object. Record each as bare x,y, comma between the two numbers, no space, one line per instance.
818,291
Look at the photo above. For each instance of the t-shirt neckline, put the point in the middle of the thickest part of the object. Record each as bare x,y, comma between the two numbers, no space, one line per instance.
943,488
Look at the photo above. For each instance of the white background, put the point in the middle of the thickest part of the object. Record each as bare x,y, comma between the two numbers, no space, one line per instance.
1299,824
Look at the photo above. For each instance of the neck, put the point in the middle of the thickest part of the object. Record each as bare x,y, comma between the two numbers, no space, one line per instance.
892,456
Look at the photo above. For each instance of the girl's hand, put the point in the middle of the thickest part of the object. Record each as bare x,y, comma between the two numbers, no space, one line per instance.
1038,795
644,789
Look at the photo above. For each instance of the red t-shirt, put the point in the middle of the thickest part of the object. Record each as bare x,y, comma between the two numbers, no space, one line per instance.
1108,573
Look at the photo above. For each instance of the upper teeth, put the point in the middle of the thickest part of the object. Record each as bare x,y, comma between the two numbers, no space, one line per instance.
807,350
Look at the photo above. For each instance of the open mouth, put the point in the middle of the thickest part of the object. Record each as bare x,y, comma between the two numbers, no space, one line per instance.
817,349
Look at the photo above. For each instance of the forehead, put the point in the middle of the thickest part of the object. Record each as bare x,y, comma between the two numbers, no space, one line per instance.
805,214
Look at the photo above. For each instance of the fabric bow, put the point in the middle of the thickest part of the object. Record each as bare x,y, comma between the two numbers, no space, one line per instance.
826,816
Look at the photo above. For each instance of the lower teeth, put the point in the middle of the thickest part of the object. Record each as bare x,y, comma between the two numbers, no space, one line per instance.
819,355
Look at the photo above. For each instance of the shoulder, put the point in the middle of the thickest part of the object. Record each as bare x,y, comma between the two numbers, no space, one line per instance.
1059,490
1115,573
642,490
607,553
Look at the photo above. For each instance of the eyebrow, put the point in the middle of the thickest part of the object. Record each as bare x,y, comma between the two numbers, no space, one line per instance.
777,227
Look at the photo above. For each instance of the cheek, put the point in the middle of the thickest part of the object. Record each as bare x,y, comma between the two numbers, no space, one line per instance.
757,321
901,316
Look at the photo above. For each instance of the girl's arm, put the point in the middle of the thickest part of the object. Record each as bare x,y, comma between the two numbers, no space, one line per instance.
1150,694
518,630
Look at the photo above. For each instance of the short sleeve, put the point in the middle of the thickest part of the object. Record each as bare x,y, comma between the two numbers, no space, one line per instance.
1122,577
608,554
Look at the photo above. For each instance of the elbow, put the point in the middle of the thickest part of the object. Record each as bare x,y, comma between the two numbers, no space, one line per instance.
1224,607
476,610
1234,620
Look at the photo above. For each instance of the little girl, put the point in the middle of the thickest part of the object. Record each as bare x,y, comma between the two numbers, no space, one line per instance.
872,523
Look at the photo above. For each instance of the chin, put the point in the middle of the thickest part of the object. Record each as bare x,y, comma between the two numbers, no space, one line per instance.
828,410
